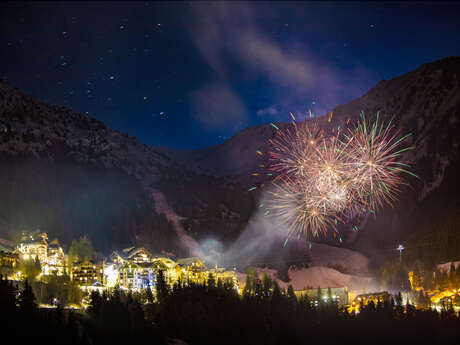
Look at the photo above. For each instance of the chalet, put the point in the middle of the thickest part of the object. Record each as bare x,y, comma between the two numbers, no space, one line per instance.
34,245
132,254
55,259
376,297
135,276
225,276
193,269
136,268
87,273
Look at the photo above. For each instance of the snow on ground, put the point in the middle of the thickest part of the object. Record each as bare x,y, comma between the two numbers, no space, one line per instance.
318,276
446,266
352,262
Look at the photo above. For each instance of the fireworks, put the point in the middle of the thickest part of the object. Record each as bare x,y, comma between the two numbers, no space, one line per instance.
373,154
321,180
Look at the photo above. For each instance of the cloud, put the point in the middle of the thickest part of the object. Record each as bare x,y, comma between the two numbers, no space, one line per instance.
217,105
230,34
270,112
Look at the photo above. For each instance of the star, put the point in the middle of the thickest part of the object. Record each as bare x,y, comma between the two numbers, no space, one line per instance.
122,27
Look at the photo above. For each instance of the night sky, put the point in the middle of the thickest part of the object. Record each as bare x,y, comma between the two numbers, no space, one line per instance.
190,74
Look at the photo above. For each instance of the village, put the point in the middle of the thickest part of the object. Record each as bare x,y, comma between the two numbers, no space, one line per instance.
133,269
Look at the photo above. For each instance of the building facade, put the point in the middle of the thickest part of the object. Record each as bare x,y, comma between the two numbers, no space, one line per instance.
88,273
35,245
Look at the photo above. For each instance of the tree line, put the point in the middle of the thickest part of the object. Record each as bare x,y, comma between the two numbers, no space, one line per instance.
215,313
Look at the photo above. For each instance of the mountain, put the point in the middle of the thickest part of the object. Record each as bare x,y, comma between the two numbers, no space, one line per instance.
69,174
424,102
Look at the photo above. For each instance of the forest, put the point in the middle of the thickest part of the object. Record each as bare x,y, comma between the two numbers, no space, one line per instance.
215,313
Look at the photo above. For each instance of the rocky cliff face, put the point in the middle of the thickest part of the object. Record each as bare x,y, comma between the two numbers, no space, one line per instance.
70,174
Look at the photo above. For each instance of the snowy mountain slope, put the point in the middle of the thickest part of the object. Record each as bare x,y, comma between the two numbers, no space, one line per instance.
318,276
70,174
424,102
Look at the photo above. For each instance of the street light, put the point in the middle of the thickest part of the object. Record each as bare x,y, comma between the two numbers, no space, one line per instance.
400,248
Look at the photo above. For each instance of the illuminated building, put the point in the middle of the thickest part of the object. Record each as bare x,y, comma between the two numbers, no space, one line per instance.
87,273
132,254
136,268
365,299
55,259
8,260
225,276
135,276
111,274
338,294
34,245
171,270
193,270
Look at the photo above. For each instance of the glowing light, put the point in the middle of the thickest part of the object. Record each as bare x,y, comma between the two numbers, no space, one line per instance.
321,180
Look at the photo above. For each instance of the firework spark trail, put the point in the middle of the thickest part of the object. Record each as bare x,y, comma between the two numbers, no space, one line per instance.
322,180
293,203
374,154
293,149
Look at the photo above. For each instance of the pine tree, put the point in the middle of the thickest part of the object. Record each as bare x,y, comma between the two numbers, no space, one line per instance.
416,278
219,283
95,305
291,296
7,297
398,299
162,288
266,285
452,276
38,266
211,281
26,301
319,297
248,288
384,276
149,295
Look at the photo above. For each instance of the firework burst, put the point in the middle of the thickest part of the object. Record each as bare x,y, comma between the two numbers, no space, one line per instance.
373,153
293,149
322,180
298,207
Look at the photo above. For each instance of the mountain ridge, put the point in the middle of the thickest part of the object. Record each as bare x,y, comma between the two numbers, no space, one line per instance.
78,160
